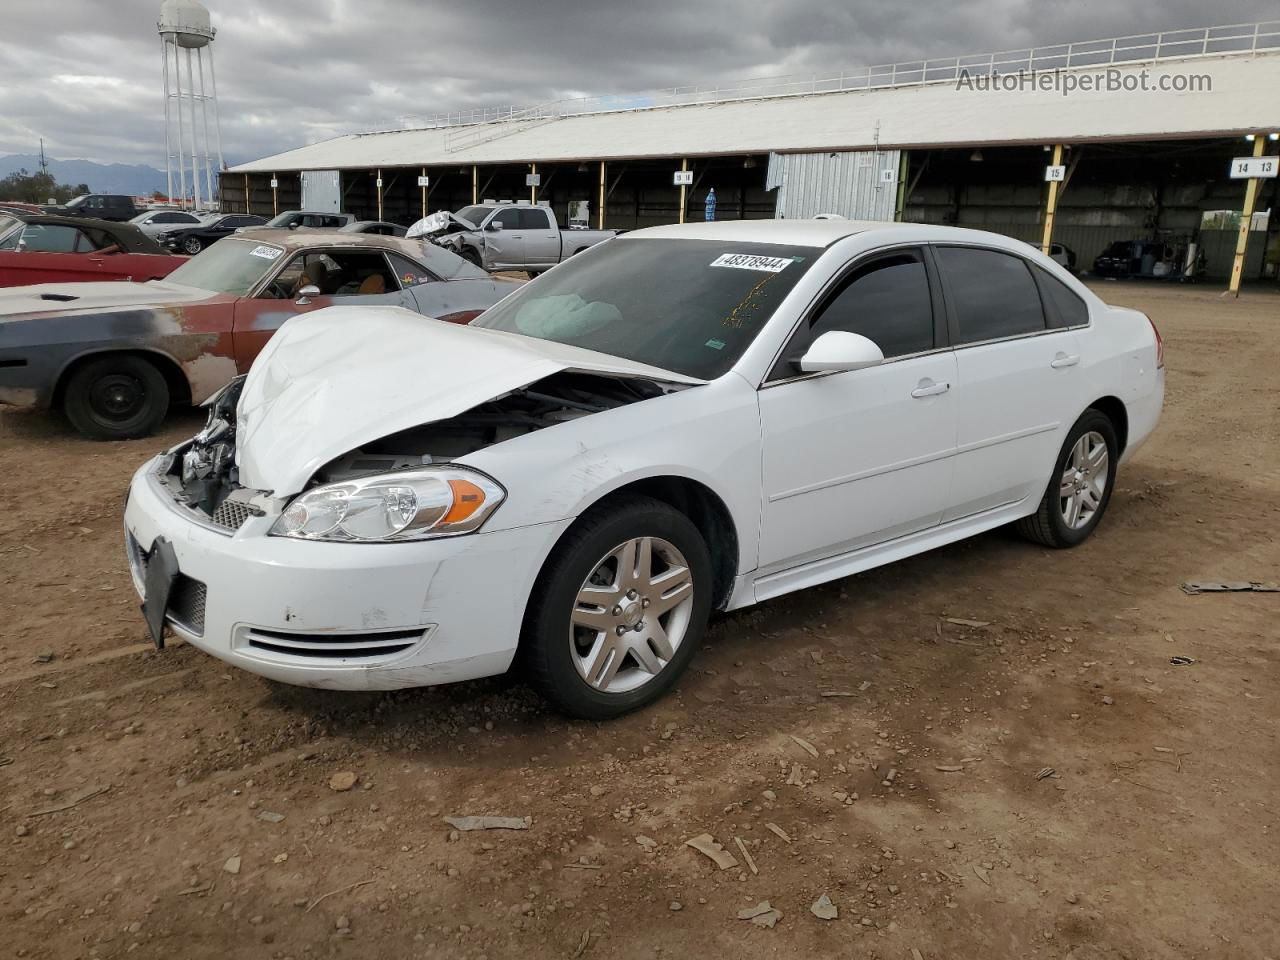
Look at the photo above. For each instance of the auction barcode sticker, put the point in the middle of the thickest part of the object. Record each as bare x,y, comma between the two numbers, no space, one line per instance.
265,252
748,261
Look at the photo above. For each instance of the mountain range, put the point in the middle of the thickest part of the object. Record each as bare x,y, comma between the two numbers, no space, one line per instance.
136,179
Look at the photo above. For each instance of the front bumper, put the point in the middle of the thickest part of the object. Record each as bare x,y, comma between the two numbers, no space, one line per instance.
346,616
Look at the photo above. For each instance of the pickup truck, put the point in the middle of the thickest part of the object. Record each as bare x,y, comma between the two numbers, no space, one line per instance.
505,236
100,206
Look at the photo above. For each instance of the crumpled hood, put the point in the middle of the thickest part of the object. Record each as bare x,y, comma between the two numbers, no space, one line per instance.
436,223
340,377
97,295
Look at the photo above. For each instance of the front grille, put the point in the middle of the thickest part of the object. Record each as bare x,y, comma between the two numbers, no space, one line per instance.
333,646
232,514
186,604
187,598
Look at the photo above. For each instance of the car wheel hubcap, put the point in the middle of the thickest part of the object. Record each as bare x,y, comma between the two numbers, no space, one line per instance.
630,615
1084,480
117,398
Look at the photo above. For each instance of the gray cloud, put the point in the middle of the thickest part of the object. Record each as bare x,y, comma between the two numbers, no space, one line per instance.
85,74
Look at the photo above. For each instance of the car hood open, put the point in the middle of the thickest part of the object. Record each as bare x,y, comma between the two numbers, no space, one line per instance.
99,295
340,377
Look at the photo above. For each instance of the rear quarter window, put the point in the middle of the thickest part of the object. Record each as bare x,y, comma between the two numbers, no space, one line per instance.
1063,306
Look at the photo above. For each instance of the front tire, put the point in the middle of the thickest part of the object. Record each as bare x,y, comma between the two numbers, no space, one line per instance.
119,397
1080,488
619,609
192,245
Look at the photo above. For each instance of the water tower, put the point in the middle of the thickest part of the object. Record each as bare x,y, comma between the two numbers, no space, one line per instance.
186,34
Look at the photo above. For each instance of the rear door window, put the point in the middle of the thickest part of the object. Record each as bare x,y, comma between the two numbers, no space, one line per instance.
992,294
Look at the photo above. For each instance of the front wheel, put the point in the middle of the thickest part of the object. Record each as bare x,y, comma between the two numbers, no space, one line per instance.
192,245
118,397
1081,485
618,610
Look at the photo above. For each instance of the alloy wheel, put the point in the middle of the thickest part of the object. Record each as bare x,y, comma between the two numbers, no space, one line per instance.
1084,480
631,614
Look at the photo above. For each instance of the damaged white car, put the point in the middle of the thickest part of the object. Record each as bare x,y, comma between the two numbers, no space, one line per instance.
680,420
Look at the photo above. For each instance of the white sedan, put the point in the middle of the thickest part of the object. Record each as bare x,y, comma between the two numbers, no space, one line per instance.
680,420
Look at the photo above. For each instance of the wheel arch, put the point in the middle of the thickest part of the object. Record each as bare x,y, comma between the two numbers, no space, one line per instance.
1118,414
174,377
705,509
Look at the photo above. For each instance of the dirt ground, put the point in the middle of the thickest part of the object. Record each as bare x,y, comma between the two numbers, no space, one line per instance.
1041,782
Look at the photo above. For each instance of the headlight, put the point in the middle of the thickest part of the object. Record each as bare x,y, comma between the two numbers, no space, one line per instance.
407,505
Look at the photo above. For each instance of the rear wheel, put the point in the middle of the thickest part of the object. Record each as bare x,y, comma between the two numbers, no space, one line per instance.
118,397
1081,485
619,609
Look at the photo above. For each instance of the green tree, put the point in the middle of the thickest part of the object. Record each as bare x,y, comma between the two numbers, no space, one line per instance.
38,188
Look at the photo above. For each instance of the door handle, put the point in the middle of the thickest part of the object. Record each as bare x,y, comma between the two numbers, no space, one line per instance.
929,388
1062,360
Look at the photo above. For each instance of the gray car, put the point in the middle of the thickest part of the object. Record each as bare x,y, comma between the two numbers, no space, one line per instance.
155,222
113,355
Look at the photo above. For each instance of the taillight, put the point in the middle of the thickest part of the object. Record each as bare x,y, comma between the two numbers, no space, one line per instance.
1159,344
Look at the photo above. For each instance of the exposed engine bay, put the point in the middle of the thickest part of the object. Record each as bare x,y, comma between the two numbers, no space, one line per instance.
203,474
556,399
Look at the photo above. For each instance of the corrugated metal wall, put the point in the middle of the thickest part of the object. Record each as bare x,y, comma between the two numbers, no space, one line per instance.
849,184
322,191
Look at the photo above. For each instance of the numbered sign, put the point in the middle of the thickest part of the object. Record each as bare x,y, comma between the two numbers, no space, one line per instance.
888,176
533,179
682,178
1247,168
1055,172
424,181
274,183
379,182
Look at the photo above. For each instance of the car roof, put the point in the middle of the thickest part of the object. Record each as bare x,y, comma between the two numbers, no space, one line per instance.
297,240
817,233
53,219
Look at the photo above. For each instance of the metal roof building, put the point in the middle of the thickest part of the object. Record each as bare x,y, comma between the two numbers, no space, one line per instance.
901,140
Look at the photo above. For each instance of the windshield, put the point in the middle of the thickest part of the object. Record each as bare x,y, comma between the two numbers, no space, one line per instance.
692,306
229,266
474,215
78,201
282,219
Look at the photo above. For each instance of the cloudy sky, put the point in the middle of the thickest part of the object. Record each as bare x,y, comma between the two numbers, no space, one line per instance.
85,74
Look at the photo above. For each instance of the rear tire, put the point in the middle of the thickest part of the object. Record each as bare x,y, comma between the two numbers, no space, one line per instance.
116,397
591,642
1080,487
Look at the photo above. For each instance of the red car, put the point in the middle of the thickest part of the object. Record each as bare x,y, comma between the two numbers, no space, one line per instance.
42,248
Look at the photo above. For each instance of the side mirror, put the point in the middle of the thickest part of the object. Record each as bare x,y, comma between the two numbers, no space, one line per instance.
306,293
493,226
840,350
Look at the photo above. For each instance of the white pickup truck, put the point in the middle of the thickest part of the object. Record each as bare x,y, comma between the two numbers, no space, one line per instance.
506,236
